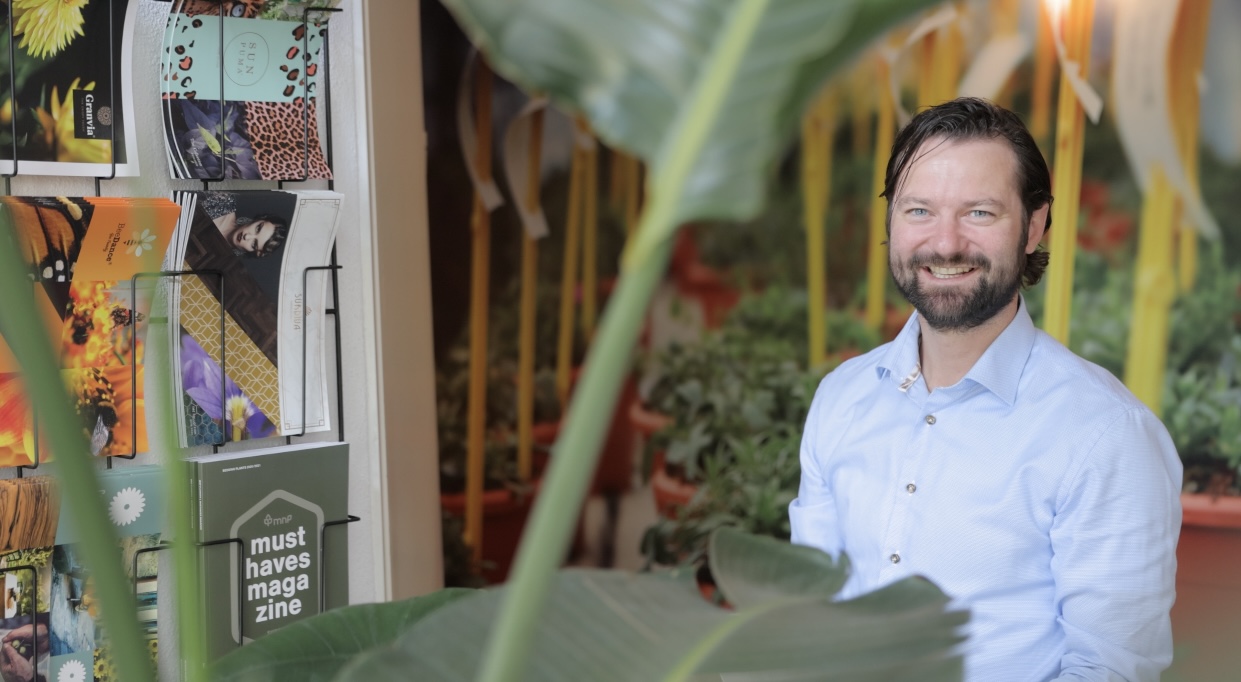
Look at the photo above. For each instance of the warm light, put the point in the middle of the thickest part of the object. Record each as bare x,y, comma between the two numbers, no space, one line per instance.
1057,8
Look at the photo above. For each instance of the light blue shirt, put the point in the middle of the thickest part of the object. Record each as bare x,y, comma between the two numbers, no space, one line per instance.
1037,491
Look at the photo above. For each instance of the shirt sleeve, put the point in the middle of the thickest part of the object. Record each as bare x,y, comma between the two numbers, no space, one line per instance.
812,514
1114,553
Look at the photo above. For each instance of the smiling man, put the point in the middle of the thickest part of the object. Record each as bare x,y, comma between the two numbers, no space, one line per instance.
977,451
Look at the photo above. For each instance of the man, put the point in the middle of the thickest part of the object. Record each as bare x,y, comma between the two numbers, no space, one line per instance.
975,450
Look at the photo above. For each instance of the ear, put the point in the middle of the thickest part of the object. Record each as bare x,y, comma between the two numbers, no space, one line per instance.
1037,227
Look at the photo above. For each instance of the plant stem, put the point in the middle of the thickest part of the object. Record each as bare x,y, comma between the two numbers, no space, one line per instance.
577,451
25,333
692,127
191,641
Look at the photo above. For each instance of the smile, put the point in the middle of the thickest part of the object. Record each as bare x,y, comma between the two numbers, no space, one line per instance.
945,273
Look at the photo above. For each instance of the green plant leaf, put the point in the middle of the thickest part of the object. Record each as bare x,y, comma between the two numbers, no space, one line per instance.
212,143
631,66
707,92
611,625
753,570
316,648
78,482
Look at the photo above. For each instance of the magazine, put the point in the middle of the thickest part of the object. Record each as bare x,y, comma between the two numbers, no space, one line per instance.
247,381
74,90
275,501
83,254
254,115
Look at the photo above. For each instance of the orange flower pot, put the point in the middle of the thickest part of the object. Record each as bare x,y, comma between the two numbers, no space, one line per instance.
1206,618
670,492
504,516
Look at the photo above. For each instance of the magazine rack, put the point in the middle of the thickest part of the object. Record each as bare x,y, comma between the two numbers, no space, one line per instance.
332,269
34,615
309,15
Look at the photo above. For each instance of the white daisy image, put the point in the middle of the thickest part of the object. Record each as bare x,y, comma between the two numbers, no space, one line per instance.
127,505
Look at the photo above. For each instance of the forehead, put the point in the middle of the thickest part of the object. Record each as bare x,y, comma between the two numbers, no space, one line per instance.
944,168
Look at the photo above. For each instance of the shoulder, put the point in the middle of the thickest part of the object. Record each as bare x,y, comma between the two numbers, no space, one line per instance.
1058,374
217,204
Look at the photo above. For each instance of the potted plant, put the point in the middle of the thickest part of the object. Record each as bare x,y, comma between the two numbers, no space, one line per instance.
1202,410
506,498
751,493
717,393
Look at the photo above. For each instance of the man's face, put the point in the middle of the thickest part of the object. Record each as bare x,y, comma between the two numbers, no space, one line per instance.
958,240
254,236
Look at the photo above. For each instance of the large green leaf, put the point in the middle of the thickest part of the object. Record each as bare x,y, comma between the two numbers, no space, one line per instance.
754,569
707,92
612,625
315,649
631,65
75,468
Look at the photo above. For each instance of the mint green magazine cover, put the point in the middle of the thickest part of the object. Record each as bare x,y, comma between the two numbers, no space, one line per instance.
275,501
136,503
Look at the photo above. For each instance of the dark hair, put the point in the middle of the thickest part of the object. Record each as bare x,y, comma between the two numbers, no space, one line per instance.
278,235
971,118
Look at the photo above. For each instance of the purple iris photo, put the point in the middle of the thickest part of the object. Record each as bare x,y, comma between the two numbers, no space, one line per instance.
201,377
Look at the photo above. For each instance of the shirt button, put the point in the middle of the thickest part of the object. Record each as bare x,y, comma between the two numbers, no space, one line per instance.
930,419
911,488
896,558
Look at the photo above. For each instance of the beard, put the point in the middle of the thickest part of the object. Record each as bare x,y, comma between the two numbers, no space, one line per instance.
951,308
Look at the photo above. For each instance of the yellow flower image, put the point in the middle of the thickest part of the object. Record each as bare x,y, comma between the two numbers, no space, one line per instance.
47,26
68,147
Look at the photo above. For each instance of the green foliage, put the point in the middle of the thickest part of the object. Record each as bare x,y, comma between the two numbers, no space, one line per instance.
1202,410
452,384
316,648
691,92
752,493
611,625
721,391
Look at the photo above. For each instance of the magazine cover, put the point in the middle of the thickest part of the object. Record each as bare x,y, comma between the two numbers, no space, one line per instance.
275,501
25,572
72,71
256,116
82,253
262,241
78,644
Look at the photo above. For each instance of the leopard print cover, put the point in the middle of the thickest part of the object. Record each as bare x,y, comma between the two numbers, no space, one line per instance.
279,154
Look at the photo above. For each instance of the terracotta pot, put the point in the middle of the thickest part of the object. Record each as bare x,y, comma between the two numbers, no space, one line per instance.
646,422
1206,618
706,285
504,517
671,493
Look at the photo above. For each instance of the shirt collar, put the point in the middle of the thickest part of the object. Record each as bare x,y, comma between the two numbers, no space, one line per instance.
998,370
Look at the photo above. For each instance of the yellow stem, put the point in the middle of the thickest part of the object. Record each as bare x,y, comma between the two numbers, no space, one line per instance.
817,128
877,254
1185,57
590,250
568,278
480,265
529,306
860,103
1147,353
1044,70
1066,177
633,193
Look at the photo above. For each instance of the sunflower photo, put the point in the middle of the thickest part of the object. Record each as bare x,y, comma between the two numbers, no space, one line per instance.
72,70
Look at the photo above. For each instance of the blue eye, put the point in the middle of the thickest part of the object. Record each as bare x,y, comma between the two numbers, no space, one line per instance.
917,212
979,213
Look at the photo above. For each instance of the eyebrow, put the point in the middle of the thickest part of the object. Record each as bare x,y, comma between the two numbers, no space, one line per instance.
907,200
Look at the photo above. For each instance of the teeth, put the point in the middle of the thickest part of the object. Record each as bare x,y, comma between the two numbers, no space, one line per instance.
948,272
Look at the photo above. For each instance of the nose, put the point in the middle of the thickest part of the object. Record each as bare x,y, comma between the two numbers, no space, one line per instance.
948,236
